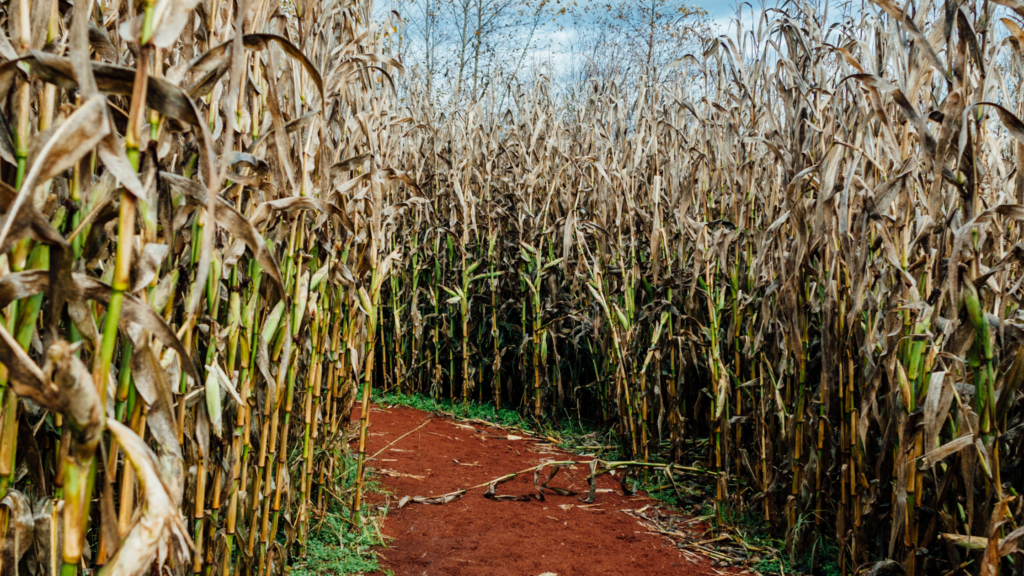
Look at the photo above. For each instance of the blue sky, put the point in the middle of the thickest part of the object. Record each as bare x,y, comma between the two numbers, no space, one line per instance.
720,10
552,42
552,45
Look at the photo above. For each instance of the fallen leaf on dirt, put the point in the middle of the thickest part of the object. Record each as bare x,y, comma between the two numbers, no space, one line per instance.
511,437
565,507
397,474
443,499
548,574
493,484
467,463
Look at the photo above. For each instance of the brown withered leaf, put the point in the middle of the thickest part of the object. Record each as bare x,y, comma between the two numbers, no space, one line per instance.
169,18
18,285
936,407
1013,125
39,228
1009,543
991,557
350,163
555,469
83,319
109,534
72,140
112,152
952,447
79,44
492,487
148,265
970,542
134,311
20,529
78,397
160,524
289,127
884,568
442,499
49,535
231,220
103,193
266,209
161,95
28,453
215,62
25,377
152,384
1015,5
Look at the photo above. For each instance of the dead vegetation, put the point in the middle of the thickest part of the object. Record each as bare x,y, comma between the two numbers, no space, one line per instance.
809,259
189,235
802,274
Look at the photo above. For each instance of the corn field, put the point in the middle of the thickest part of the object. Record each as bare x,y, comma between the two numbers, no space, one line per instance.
803,270
187,261
224,221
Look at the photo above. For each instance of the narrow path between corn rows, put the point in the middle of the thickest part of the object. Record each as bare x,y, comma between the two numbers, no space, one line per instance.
479,536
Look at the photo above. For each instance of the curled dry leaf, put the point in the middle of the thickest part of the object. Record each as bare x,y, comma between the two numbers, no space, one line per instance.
159,527
162,95
76,136
20,529
231,219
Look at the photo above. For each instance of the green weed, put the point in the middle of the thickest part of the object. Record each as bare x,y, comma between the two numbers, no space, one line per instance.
333,549
458,410
570,435
820,559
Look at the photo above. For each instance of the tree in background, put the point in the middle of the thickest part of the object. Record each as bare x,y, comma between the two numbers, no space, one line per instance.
632,40
458,48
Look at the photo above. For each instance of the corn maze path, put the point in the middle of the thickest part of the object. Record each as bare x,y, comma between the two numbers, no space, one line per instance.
479,536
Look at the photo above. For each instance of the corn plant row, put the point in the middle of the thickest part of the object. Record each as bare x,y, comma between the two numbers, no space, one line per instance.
194,246
801,273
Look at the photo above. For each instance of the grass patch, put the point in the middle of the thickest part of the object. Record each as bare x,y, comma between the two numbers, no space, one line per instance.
333,548
820,558
686,495
459,410
569,435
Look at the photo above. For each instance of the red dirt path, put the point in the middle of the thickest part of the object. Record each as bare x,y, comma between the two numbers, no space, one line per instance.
478,536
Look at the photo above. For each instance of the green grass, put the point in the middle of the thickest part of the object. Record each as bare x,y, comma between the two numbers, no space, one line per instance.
570,435
473,410
695,496
334,549
754,530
